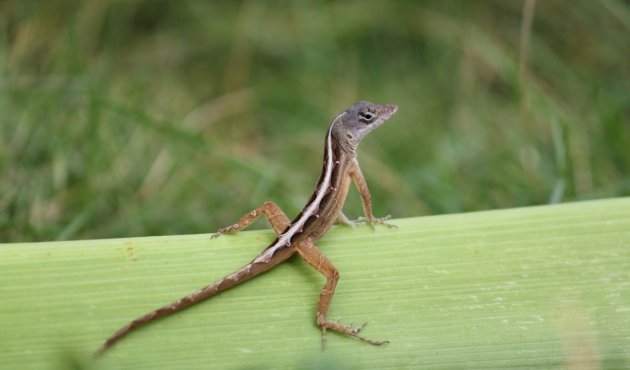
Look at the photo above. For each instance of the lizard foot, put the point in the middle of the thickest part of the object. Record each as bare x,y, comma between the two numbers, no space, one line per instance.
376,221
232,229
348,330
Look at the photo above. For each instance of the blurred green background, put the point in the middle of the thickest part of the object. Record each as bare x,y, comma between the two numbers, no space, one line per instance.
146,117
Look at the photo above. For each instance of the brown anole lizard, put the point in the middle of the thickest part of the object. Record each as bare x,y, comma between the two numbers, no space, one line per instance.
322,210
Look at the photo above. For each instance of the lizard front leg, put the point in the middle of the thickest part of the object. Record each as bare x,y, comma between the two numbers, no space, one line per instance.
309,252
276,217
366,199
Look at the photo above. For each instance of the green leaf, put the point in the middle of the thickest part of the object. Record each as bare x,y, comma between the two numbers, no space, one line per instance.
541,287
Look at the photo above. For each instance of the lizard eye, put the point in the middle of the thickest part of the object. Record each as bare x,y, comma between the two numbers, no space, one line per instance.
366,117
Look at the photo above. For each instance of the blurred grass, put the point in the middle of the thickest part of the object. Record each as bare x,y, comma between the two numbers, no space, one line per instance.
126,118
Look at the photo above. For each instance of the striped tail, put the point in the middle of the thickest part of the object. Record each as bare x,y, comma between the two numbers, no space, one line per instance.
242,275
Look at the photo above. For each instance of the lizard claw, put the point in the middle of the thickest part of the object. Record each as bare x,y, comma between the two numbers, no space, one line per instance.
383,221
358,329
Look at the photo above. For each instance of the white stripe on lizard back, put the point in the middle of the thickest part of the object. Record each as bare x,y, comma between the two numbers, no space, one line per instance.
285,238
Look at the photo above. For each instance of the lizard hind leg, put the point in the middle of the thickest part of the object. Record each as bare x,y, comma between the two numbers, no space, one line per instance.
322,264
276,217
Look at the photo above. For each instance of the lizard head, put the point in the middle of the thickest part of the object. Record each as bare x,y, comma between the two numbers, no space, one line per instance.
351,126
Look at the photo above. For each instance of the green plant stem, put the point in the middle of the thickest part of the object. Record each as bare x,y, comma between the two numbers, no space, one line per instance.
540,287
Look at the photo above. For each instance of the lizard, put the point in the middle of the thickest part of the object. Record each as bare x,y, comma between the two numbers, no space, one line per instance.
323,209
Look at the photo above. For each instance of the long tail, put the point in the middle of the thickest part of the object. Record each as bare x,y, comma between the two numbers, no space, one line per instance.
242,275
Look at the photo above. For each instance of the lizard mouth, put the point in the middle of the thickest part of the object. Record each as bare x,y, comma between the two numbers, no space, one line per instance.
387,111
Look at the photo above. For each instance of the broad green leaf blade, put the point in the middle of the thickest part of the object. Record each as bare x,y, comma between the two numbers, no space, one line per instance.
541,287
